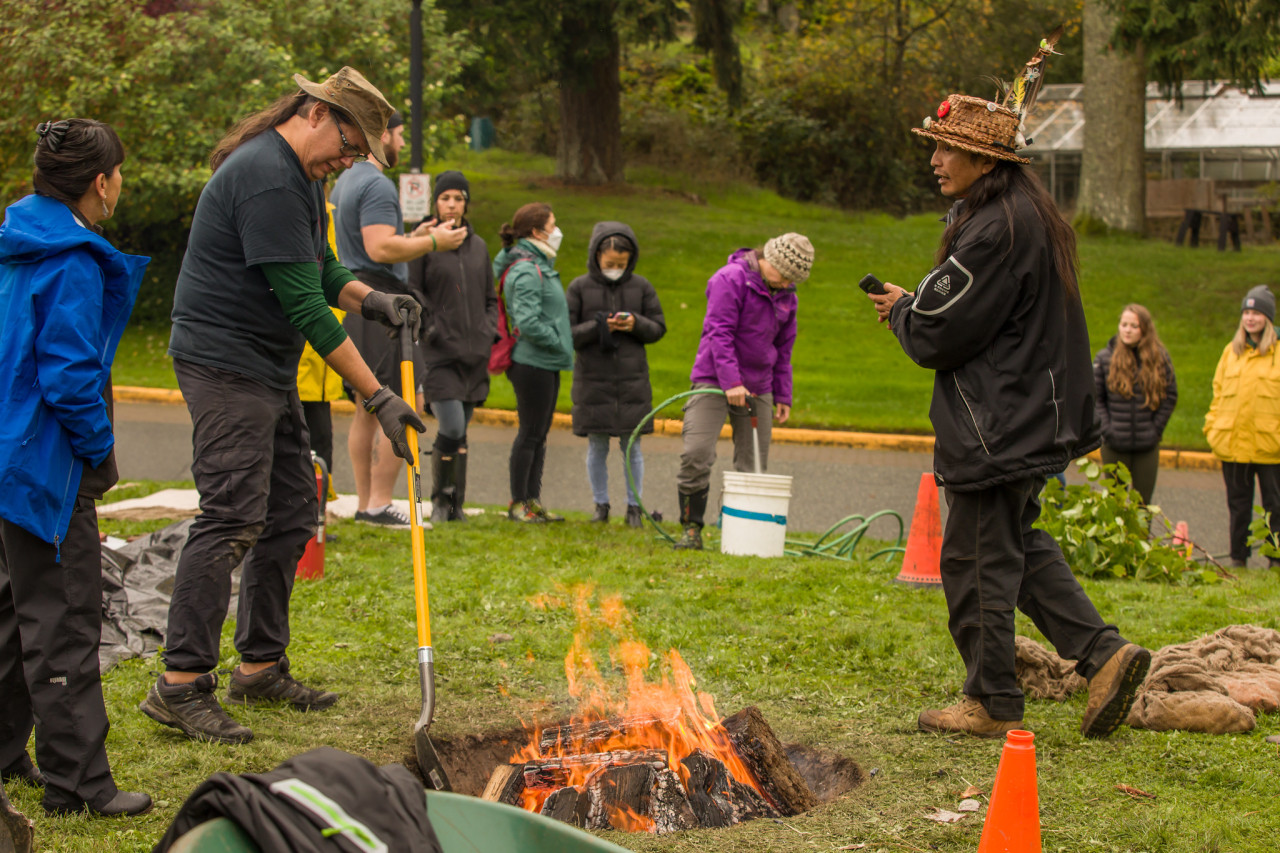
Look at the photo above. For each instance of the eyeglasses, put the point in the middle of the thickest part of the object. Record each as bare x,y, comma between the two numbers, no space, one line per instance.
347,149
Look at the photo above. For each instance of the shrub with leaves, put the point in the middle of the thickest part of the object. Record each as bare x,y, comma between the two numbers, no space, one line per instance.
1261,537
1104,529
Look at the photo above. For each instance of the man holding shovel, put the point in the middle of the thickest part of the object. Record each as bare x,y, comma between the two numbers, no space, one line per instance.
257,279
999,320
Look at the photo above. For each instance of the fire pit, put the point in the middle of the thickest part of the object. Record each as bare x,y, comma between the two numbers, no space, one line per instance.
655,757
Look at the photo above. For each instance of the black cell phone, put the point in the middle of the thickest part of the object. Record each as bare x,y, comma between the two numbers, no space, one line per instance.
871,284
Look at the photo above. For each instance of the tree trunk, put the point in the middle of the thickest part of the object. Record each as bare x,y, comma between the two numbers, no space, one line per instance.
1113,182
590,147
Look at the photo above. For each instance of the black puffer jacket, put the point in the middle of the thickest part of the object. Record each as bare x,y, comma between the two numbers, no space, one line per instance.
459,319
1128,426
611,392
1013,390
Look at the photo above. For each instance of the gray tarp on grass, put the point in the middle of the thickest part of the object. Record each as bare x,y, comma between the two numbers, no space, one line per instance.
137,581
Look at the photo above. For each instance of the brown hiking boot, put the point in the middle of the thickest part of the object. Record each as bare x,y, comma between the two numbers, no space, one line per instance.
1113,689
194,710
967,717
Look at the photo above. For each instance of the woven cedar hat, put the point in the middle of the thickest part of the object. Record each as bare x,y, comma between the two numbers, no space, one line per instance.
977,125
349,91
985,127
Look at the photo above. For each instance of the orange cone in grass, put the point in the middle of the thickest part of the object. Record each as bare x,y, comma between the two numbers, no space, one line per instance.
920,564
1013,818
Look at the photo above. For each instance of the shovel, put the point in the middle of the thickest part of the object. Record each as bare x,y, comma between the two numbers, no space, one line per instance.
428,761
755,430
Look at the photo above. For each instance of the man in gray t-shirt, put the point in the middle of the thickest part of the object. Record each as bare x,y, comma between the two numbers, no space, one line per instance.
369,226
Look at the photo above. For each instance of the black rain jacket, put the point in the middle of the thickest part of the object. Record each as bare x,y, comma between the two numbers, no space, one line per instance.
459,319
611,391
1128,426
1013,393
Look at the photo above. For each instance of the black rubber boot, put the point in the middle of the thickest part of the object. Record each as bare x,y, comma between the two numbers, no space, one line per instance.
602,514
459,483
444,455
692,509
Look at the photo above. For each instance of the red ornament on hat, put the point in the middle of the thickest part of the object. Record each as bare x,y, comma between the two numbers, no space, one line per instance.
943,109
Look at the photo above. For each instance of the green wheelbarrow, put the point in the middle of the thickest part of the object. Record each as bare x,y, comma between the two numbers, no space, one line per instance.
463,825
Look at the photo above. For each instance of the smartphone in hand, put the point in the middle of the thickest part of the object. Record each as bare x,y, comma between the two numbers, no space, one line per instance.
870,284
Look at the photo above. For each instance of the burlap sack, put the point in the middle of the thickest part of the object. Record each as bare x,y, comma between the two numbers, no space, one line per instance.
1042,674
1192,711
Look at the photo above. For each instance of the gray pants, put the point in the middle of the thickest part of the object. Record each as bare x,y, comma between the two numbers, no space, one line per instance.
704,415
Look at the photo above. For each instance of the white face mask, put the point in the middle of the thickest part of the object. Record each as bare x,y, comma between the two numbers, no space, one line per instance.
613,275
555,238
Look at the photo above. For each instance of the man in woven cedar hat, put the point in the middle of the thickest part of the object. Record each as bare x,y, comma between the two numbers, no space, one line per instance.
1000,322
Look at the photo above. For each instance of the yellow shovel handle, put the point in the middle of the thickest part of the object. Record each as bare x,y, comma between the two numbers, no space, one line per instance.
408,386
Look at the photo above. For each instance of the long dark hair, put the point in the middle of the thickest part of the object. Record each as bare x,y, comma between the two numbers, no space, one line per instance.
995,186
532,216
70,155
280,111
1126,377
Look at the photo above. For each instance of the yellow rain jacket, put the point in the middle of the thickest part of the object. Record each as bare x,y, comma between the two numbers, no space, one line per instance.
1243,421
317,381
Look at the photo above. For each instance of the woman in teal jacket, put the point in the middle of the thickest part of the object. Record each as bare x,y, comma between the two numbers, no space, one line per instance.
537,308
65,296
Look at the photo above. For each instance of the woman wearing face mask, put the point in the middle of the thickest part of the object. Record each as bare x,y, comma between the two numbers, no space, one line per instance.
536,307
1243,422
66,295
1136,394
614,314
459,320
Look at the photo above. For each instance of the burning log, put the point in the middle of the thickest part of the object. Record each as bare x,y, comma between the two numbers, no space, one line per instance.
716,798
760,750
506,784
638,797
585,737
568,804
555,772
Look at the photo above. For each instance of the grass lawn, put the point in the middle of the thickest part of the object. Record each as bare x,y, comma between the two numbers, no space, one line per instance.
836,655
850,373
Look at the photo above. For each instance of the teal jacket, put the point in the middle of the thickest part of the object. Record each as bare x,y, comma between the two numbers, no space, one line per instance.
536,305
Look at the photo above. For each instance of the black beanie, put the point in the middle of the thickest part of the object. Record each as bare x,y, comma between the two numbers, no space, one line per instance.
395,121
451,180
1260,299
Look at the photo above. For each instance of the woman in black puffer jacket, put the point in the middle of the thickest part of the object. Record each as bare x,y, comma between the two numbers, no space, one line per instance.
1136,395
613,314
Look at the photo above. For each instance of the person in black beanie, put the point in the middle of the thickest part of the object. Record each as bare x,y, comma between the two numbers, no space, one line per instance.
459,326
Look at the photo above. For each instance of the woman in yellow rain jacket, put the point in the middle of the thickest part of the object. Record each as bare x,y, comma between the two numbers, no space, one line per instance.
318,385
1243,422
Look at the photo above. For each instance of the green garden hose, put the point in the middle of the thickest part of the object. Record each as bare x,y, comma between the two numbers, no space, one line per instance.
829,545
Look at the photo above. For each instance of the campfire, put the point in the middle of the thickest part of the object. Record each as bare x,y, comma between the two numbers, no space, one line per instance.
653,757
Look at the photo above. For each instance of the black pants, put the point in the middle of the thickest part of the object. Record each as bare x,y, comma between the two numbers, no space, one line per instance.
252,467
320,428
1143,465
50,627
536,393
992,561
1239,477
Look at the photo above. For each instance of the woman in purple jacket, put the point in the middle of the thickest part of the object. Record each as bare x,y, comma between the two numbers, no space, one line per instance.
745,351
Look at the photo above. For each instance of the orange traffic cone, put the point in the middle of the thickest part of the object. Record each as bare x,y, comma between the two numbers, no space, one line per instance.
1013,818
1182,538
924,542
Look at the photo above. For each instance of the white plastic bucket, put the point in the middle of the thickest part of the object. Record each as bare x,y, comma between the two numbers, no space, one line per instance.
753,514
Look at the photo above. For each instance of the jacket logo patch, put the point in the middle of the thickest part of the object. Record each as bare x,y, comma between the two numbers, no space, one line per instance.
943,285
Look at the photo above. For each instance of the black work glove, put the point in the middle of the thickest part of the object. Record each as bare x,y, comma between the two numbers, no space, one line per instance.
393,415
386,308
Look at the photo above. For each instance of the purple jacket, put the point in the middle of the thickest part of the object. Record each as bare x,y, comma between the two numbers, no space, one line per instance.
748,331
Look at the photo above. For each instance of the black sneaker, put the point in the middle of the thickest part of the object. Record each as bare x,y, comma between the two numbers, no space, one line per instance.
123,804
193,709
521,511
388,517
24,772
275,684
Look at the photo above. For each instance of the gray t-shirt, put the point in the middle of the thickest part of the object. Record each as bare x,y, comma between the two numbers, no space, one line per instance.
364,196
259,207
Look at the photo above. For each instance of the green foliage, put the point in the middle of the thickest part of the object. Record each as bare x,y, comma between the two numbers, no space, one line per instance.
1260,535
1202,39
1105,530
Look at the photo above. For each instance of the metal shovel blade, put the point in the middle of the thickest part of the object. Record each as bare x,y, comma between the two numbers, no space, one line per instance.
17,833
428,760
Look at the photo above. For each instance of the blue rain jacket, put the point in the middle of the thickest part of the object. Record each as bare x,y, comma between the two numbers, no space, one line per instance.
65,297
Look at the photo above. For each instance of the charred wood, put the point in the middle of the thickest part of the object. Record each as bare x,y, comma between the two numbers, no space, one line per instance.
765,757
506,784
568,804
554,772
588,737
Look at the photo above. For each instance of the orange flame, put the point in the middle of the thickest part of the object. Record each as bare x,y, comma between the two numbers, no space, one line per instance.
667,715
626,819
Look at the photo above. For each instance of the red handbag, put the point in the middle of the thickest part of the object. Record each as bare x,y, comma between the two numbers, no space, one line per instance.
500,353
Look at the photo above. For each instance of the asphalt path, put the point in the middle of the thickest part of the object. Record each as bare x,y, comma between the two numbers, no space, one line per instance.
153,441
